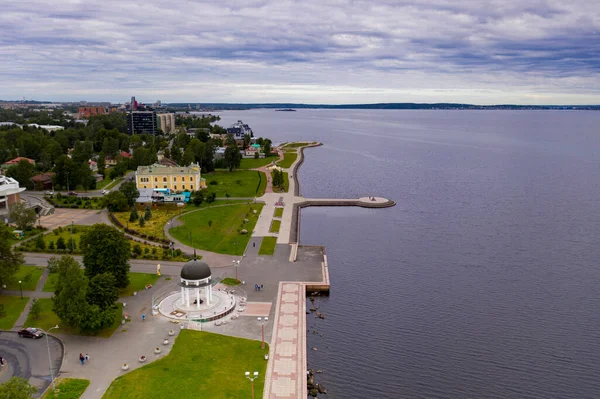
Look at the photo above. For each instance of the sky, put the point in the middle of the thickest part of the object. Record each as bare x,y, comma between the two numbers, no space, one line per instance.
308,51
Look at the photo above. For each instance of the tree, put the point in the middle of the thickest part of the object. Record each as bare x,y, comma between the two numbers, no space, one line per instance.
106,250
131,192
17,388
134,214
60,243
142,222
101,163
69,300
102,291
40,243
148,213
86,179
9,260
247,139
267,147
23,216
22,172
35,309
115,201
197,198
232,157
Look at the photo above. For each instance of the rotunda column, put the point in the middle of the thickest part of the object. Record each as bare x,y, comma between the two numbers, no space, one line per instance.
198,298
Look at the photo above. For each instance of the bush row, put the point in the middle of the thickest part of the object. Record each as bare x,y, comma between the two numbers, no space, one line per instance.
117,223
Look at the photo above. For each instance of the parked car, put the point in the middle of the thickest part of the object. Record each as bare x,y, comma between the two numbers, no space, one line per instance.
73,193
30,332
48,192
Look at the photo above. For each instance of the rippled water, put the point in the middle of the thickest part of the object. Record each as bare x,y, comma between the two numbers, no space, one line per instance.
484,280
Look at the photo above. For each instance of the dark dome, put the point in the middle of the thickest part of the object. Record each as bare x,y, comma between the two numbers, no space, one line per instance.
195,270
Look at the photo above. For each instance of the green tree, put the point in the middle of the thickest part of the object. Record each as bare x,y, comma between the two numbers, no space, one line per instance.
86,179
247,139
197,198
51,245
71,245
102,163
102,291
232,157
142,222
137,249
40,243
17,388
35,309
69,300
129,189
22,172
23,216
115,201
133,216
106,250
148,213
95,319
9,260
60,243
267,147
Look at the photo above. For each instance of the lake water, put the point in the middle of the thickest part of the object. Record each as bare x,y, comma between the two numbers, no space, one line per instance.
484,280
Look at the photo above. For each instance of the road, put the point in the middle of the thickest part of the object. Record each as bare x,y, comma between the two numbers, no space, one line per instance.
92,193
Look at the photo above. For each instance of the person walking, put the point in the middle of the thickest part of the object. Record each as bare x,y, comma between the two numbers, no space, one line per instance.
87,357
143,316
81,358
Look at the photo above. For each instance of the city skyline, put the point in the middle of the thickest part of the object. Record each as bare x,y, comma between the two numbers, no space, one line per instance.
318,52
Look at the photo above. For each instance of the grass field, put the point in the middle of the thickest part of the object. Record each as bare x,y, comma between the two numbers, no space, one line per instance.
239,183
278,212
223,234
288,159
230,281
267,246
275,225
28,234
251,163
65,233
221,361
70,388
298,144
29,275
107,180
13,306
286,184
138,282
48,319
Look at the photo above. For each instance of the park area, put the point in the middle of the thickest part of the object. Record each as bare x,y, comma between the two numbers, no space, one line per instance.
68,388
237,184
288,159
252,163
12,307
200,365
219,228
267,246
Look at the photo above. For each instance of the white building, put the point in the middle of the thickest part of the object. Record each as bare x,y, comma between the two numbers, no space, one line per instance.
10,194
166,123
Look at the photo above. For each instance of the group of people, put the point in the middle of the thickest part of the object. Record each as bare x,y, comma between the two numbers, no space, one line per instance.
83,358
258,287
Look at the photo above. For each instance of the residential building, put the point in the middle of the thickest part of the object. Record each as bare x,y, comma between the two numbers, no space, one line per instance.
16,161
166,122
86,112
43,181
174,178
252,150
112,161
10,194
239,130
141,122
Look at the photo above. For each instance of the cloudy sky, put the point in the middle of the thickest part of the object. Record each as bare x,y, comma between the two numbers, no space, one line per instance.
312,51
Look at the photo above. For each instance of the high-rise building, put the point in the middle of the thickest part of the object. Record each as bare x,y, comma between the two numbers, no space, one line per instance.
86,112
166,122
141,122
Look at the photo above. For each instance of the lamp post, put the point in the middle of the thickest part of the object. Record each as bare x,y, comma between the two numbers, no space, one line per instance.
21,286
262,324
49,357
252,378
236,264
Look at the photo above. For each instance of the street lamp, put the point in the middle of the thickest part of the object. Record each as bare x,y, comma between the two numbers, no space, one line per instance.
49,357
262,324
21,286
255,376
236,264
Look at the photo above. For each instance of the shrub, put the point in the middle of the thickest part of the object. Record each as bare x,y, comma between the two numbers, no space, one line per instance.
214,182
154,249
146,250
51,245
137,249
60,244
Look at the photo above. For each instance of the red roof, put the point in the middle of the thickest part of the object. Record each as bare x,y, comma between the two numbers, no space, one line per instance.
43,177
18,159
125,154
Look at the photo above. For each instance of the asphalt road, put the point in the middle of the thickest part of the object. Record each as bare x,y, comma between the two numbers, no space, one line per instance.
28,358
91,193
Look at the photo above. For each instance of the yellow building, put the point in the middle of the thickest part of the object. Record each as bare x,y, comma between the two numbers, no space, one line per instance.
175,178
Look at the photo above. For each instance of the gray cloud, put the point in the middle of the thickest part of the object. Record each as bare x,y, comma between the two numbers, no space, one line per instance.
310,51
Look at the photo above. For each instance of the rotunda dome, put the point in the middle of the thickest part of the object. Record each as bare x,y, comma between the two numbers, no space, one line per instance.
195,270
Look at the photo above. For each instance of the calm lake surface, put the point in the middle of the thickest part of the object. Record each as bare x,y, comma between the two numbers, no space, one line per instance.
484,280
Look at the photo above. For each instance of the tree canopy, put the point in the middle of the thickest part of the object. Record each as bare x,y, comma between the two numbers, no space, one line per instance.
131,192
23,216
106,250
9,260
17,388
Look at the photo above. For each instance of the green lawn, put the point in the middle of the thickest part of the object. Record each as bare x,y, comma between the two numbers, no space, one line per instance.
29,275
28,234
239,183
137,282
230,281
286,184
200,365
13,306
48,319
251,163
75,202
278,213
223,235
262,186
275,225
65,233
267,246
298,144
70,388
288,159
107,180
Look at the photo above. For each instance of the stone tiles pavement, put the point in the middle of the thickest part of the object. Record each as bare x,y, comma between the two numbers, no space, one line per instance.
285,378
